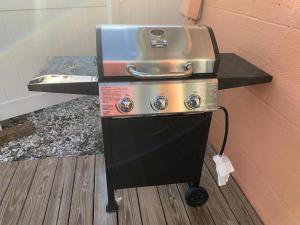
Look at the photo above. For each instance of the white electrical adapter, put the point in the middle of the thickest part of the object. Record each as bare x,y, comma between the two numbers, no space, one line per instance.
224,168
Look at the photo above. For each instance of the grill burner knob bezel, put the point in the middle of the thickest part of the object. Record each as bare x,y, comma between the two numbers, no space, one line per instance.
160,103
125,105
193,101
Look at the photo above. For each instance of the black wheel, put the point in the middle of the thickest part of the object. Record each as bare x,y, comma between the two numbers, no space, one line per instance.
196,196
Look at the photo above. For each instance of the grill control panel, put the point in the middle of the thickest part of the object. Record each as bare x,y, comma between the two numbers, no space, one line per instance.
119,99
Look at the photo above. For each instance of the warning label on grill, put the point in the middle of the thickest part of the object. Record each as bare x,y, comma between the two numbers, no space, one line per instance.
110,96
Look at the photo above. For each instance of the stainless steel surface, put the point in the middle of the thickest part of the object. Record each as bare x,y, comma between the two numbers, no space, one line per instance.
154,49
177,93
67,74
160,103
72,84
188,71
125,105
61,78
193,101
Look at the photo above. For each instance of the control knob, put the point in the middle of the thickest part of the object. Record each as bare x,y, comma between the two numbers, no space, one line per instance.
160,103
193,101
125,105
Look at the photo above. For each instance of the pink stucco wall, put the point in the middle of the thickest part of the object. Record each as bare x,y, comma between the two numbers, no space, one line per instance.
264,139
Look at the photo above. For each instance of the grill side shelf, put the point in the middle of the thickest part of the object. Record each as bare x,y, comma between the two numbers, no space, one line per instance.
235,71
67,74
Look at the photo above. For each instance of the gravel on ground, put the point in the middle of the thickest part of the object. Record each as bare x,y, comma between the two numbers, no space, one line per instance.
67,129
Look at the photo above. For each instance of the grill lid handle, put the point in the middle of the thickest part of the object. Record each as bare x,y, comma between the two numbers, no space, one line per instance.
188,71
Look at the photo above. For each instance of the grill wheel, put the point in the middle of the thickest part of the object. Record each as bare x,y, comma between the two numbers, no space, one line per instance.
196,196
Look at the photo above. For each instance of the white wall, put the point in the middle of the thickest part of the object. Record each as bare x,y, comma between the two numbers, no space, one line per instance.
146,12
32,30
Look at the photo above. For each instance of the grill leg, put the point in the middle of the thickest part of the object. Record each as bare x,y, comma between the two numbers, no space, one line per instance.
112,205
194,183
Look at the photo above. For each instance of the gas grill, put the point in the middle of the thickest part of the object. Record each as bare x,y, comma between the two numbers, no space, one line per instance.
158,88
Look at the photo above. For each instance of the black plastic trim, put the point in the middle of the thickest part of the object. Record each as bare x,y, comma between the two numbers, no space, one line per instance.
216,49
99,53
235,71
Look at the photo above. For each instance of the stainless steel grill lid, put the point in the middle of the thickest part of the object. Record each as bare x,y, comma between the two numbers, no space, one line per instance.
155,51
